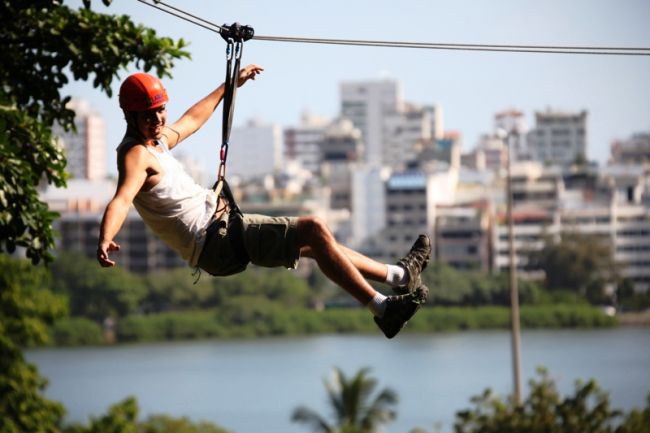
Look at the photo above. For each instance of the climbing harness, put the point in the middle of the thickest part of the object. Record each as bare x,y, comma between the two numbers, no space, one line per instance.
234,35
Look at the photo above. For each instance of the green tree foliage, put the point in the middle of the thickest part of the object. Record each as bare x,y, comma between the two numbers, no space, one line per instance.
94,292
122,418
273,284
44,43
76,331
26,309
637,420
449,286
628,299
578,262
354,407
169,326
168,424
175,289
546,411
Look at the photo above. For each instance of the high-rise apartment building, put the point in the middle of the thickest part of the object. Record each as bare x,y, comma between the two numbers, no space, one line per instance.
406,133
341,147
492,153
634,150
302,143
435,116
446,149
412,198
514,123
367,104
610,203
408,212
393,131
462,236
255,150
368,203
85,149
558,138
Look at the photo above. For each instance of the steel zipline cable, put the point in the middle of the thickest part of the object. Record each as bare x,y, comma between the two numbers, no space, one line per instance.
548,49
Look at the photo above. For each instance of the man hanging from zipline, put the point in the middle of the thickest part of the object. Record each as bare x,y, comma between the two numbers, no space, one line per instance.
207,228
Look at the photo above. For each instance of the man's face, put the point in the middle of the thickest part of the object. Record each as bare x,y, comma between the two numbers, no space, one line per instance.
150,122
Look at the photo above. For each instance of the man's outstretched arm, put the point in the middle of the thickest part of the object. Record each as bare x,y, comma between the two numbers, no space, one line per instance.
194,118
133,173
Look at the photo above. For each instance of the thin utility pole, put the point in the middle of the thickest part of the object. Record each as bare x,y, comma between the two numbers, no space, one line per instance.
514,290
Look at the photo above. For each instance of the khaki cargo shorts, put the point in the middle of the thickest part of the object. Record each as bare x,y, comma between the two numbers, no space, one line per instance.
268,241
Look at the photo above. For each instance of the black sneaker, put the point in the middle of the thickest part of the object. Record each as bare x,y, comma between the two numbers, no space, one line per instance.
414,263
399,309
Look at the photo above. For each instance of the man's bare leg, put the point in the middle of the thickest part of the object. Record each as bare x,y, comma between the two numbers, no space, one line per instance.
369,268
344,267
403,277
315,239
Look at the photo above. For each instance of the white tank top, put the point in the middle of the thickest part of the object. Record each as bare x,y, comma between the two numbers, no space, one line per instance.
176,209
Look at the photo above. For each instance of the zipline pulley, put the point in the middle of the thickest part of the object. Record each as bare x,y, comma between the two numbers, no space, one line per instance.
236,32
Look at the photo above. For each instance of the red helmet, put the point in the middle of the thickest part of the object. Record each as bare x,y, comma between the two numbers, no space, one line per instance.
140,92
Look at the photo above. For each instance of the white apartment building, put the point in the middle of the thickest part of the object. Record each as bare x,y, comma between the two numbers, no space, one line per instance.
302,143
437,123
463,236
408,212
558,138
633,150
255,150
406,133
530,226
632,243
367,104
341,148
490,153
411,201
85,149
610,203
537,194
514,123
447,149
368,203
394,132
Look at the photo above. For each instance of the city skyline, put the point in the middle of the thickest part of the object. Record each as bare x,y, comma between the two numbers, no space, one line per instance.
470,87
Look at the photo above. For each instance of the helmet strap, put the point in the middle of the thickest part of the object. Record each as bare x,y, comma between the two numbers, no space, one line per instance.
132,125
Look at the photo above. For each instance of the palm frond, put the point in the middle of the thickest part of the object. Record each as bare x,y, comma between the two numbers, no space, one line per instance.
311,418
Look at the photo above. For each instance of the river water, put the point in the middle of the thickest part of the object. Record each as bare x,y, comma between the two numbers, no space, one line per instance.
252,386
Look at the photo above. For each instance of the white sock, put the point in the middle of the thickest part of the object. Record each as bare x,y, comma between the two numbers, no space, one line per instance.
377,305
396,276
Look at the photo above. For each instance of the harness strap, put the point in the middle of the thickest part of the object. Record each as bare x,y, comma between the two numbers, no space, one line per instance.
234,35
236,236
233,49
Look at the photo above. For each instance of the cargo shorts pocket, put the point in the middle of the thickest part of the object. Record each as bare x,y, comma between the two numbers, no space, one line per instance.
217,257
266,244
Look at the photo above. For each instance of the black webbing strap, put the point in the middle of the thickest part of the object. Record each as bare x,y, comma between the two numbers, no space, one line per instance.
234,35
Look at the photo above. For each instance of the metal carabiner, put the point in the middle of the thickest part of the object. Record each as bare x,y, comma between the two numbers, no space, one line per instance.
229,49
238,50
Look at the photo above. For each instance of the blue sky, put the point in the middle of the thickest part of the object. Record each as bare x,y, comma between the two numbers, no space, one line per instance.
470,86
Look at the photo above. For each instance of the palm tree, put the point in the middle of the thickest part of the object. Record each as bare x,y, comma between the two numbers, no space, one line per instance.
354,411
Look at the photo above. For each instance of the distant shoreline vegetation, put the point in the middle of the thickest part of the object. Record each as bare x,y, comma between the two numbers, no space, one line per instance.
100,306
268,320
